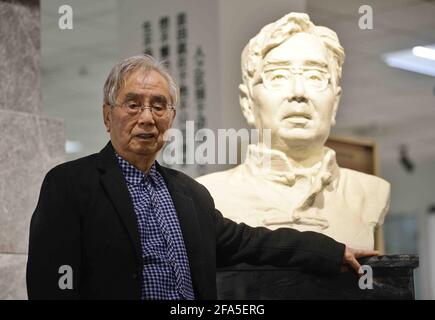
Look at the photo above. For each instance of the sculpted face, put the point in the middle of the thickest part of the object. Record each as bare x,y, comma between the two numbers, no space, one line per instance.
139,135
293,94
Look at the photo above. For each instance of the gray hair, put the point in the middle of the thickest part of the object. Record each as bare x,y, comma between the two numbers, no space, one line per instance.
117,77
274,34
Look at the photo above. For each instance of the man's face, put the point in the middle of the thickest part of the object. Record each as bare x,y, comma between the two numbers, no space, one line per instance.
294,96
140,135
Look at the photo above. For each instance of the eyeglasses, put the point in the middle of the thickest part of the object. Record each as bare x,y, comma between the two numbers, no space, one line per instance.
157,108
282,78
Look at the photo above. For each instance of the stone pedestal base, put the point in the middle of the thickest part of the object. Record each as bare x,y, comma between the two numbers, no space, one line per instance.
393,278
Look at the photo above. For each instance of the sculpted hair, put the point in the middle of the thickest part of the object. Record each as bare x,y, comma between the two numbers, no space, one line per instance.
273,34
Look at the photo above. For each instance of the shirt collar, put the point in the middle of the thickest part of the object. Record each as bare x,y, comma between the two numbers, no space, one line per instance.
273,165
132,174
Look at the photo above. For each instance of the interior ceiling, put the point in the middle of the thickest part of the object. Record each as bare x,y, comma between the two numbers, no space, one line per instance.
75,64
391,106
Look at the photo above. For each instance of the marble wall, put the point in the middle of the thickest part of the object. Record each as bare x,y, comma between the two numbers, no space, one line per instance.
30,143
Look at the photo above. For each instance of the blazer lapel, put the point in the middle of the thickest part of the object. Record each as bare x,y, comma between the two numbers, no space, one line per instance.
114,184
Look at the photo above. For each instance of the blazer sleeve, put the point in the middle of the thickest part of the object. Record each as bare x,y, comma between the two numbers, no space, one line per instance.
54,244
284,247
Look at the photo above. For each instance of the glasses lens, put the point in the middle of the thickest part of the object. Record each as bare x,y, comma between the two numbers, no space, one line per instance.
159,105
316,79
158,110
278,79
132,107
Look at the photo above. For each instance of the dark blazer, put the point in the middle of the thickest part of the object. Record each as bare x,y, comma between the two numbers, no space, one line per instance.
85,219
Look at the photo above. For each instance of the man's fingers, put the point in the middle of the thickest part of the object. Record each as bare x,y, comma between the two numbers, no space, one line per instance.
351,255
354,264
365,253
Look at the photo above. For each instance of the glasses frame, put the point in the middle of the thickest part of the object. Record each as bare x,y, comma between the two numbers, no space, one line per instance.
143,107
295,71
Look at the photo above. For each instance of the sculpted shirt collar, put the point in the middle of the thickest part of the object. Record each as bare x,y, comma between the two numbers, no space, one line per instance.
273,165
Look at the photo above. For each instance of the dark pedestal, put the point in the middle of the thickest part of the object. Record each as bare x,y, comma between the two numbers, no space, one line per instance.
393,278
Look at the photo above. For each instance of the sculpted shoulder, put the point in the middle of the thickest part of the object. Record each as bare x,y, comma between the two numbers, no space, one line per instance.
374,190
369,183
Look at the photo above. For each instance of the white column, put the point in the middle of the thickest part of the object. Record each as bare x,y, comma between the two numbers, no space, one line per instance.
29,145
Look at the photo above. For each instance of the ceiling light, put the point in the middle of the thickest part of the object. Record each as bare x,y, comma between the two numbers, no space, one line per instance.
418,59
424,52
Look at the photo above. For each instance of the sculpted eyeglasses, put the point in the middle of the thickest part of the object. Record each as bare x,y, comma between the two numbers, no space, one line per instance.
157,108
281,78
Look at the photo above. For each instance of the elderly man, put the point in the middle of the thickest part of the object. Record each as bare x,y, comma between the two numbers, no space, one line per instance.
127,228
291,71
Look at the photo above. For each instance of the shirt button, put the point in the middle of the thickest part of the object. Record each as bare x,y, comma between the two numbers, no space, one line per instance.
134,275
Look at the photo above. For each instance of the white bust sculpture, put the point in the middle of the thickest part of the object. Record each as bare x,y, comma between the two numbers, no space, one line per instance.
291,74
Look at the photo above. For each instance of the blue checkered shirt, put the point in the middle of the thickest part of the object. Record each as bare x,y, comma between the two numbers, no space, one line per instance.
166,272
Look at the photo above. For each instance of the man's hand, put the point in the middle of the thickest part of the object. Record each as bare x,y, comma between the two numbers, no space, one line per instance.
350,256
